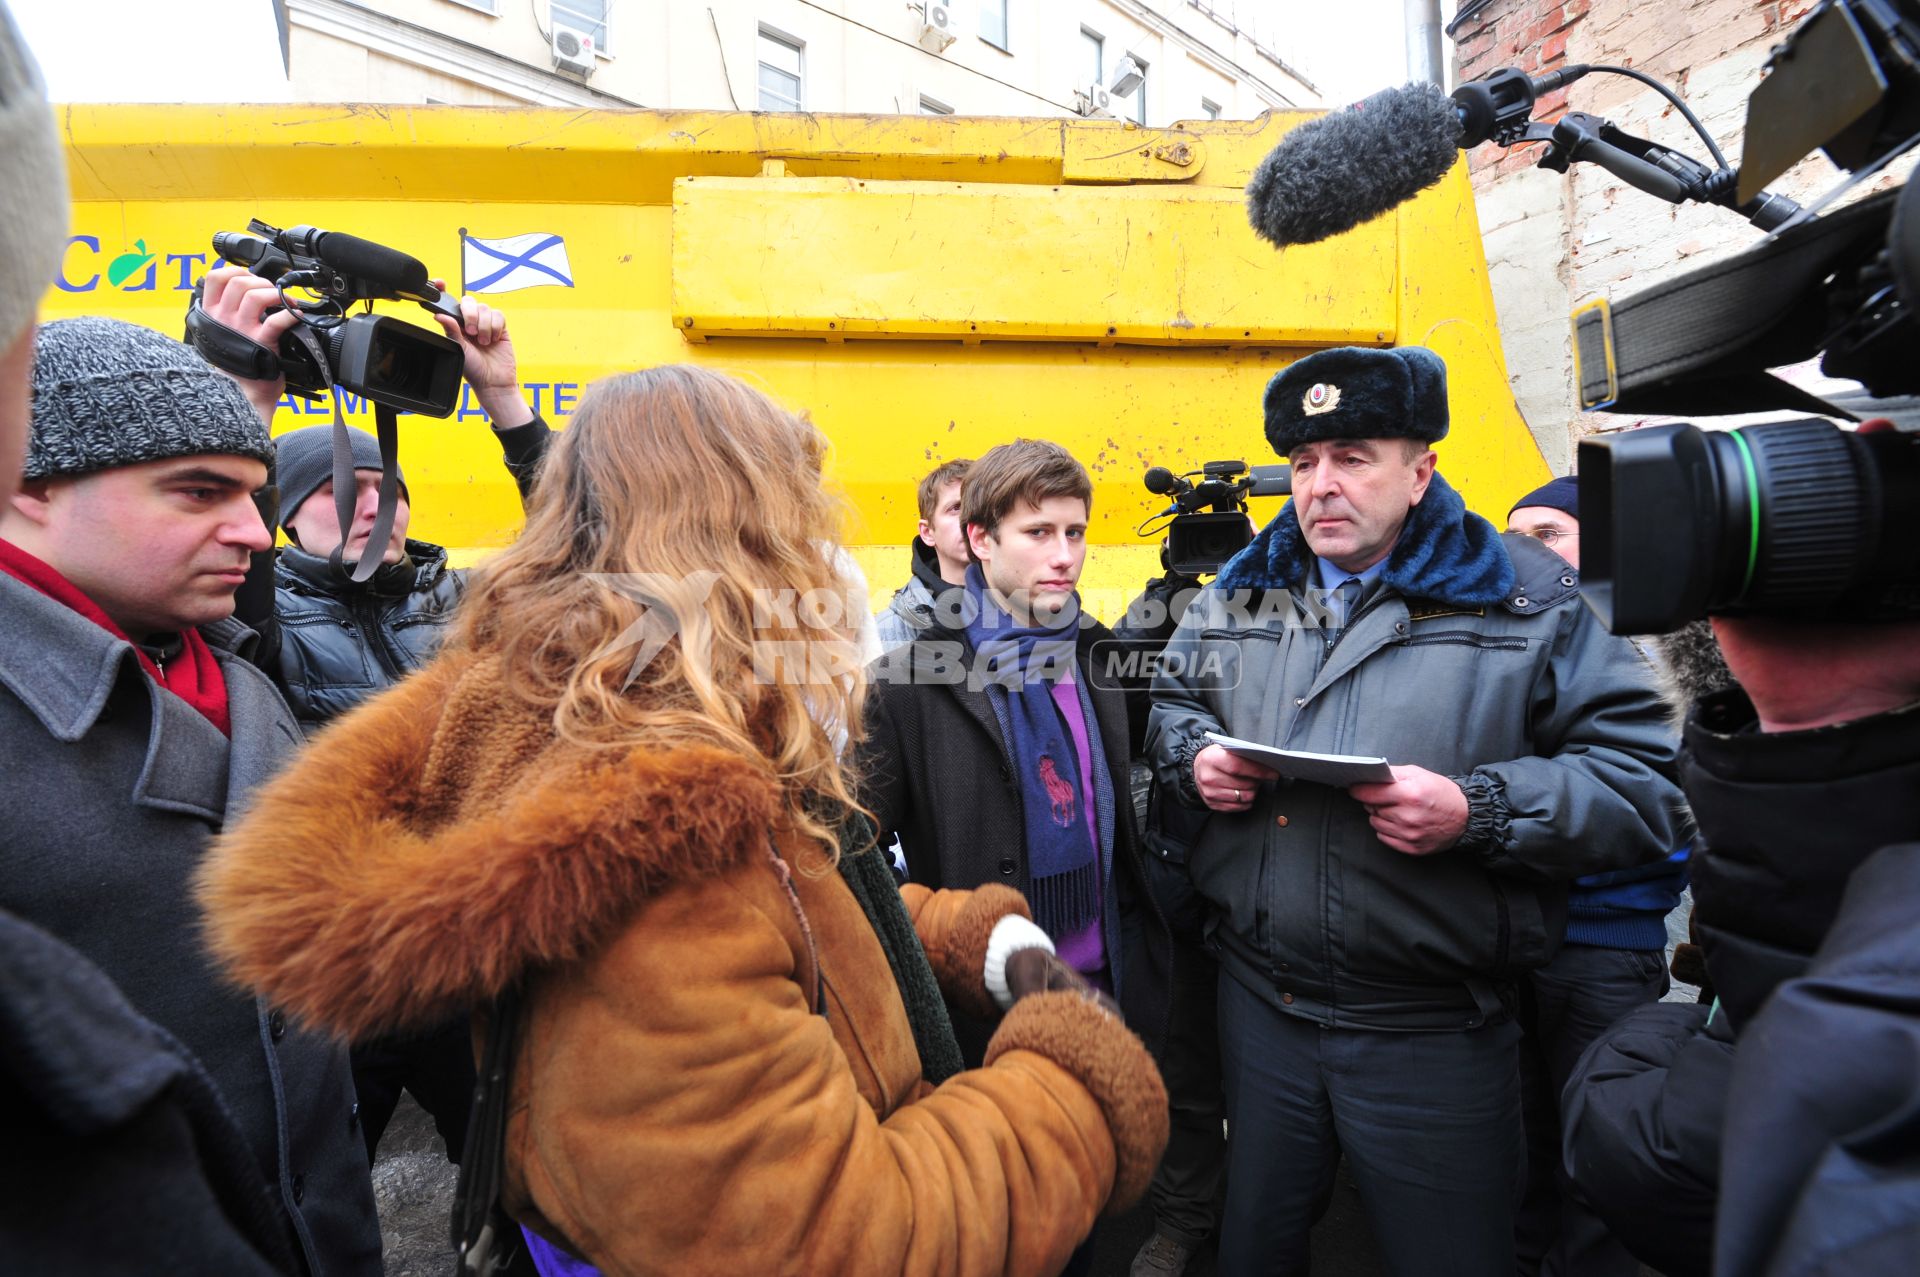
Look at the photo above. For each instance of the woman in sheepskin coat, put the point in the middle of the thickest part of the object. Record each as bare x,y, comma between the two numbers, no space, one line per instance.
619,788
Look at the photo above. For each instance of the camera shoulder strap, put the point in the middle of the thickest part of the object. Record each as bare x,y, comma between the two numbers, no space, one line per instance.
345,491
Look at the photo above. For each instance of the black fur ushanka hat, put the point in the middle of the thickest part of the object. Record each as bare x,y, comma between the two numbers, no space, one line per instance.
1353,392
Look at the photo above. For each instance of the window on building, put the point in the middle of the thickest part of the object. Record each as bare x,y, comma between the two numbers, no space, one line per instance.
1093,55
484,6
1140,94
781,72
1210,108
933,106
993,22
591,16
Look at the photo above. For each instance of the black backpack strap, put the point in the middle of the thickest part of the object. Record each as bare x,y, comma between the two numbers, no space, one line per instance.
483,1236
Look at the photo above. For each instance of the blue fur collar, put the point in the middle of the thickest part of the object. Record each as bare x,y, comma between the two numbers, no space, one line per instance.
1444,554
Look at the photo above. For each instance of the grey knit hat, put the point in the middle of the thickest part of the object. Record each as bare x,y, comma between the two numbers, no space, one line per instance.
33,186
303,460
108,393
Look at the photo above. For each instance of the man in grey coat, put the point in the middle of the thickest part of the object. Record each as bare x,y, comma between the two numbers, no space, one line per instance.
1370,935
132,729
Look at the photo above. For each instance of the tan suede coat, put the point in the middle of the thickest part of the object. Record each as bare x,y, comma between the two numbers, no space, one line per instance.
677,1107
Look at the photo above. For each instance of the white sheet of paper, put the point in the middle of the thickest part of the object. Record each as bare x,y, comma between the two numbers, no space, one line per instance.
1339,770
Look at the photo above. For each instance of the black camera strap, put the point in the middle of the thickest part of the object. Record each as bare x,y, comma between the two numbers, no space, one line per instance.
345,490
1702,344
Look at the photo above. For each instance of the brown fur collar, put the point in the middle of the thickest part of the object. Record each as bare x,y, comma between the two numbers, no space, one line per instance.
440,841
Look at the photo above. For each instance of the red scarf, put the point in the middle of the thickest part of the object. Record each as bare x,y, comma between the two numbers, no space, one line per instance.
194,676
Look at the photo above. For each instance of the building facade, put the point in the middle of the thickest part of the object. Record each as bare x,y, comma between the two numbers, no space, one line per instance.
1557,240
1155,61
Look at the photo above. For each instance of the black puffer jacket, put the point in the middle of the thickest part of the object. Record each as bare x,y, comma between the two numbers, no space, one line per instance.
339,643
1786,818
330,644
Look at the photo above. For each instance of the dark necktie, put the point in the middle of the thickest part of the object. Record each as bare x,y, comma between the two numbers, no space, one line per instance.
1341,606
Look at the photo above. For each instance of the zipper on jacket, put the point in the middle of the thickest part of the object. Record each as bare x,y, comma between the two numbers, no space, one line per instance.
368,616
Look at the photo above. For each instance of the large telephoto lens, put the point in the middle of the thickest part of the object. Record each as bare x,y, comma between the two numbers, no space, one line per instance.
1797,519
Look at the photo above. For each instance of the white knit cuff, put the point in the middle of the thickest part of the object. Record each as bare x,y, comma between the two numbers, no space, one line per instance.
1010,933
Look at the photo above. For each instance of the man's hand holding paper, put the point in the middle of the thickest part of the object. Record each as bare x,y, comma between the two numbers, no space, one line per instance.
1418,812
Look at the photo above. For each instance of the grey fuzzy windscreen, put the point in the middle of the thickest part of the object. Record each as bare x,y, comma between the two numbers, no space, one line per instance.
1350,166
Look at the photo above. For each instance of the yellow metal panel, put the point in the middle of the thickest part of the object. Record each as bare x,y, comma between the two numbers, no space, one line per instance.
1122,151
152,184
837,257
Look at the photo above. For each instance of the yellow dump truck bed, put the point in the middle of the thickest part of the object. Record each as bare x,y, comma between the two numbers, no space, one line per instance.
925,287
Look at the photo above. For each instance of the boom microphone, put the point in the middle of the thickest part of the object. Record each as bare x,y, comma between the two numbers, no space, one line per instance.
1348,167
375,263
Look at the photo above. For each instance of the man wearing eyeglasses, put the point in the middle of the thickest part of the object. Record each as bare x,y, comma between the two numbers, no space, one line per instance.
1614,960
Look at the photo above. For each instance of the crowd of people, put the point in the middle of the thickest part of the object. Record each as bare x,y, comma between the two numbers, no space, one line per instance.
931,950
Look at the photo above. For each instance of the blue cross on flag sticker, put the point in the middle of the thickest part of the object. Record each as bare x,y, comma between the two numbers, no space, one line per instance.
516,262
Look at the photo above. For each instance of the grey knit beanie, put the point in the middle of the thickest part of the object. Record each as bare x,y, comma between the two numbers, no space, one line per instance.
303,460
33,187
108,393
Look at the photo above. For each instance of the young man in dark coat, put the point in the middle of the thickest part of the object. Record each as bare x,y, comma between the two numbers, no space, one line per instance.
132,727
997,751
1371,935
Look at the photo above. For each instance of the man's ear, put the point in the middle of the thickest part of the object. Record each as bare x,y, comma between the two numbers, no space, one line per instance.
1423,473
980,541
34,501
926,534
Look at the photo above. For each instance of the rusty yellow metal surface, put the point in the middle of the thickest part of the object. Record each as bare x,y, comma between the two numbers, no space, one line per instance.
152,184
987,262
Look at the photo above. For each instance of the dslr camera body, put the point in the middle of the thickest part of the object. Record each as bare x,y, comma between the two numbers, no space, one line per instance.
398,365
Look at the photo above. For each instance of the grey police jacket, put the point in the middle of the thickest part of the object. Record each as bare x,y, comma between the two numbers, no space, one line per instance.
1472,657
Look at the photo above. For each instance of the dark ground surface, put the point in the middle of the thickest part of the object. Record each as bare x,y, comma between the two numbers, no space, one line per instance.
1342,1246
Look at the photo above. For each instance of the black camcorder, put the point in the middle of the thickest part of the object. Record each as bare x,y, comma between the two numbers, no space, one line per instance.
1209,524
399,365
1796,519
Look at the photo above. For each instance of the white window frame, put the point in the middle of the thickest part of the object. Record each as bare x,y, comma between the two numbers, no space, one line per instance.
601,48
1140,94
1088,34
489,7
1006,24
933,106
775,35
1209,108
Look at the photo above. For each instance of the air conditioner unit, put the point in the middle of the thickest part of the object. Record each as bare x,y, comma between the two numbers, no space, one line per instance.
1095,100
939,25
1127,77
572,50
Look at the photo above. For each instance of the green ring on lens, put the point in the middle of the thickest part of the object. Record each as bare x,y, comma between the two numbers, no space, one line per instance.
1753,507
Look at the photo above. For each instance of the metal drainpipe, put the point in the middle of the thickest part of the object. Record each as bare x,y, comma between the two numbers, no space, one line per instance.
1423,42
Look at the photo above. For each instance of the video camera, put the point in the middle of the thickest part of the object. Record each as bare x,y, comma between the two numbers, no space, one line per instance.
400,365
1794,519
1199,542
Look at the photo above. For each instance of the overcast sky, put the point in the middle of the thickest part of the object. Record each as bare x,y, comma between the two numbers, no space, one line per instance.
229,50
